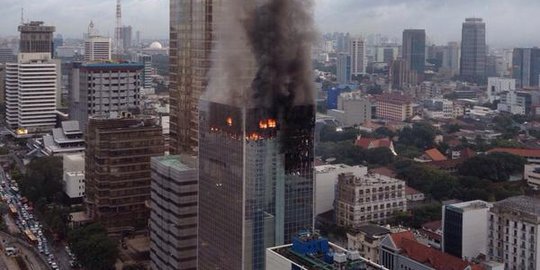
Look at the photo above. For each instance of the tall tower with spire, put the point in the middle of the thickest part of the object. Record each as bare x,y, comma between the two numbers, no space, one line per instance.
118,45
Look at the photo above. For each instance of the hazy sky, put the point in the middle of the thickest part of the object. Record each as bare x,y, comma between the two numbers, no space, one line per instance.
509,22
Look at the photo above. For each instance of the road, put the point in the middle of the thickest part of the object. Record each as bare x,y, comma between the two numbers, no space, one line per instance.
30,255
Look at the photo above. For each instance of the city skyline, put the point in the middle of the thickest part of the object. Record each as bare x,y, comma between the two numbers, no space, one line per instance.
441,20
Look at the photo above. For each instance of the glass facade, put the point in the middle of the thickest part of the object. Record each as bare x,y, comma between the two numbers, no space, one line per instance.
191,38
414,49
526,66
256,186
473,50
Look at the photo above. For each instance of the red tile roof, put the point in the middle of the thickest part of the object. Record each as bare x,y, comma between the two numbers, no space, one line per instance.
428,256
467,153
384,171
522,152
434,154
411,191
368,143
432,225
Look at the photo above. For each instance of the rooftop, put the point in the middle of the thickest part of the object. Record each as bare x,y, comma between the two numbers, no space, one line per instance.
522,152
373,230
435,154
180,163
521,203
470,205
367,179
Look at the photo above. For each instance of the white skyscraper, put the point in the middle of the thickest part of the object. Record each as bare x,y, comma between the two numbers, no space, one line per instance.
357,53
31,93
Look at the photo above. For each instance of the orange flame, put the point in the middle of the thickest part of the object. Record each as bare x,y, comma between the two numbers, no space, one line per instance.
272,123
263,124
229,121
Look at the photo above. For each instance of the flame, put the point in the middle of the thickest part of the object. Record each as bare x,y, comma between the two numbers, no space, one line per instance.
229,121
263,124
272,123
254,136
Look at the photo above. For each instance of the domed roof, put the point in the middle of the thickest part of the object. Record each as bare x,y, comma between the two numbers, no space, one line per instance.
156,45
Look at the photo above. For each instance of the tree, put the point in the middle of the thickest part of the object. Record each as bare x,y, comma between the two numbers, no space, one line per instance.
497,166
43,179
379,156
93,248
453,128
420,135
330,134
384,132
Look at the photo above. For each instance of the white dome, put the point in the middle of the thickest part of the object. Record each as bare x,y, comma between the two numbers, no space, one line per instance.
156,45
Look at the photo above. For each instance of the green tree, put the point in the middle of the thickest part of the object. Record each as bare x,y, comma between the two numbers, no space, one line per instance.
43,179
494,166
379,156
421,135
93,248
384,132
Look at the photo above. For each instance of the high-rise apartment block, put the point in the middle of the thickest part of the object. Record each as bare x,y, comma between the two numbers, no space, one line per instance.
473,50
526,66
31,93
450,61
103,89
513,233
36,38
465,229
368,198
343,73
357,52
256,182
191,28
414,50
401,75
146,78
117,168
497,86
173,216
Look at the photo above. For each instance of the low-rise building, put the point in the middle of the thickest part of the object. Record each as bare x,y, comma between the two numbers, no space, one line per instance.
73,177
352,109
396,107
366,239
310,251
514,233
432,231
367,198
531,173
532,155
66,139
371,143
326,178
413,195
402,251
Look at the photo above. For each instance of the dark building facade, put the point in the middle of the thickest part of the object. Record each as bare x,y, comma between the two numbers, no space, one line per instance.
117,167
401,76
414,50
36,38
256,182
473,50
526,66
453,231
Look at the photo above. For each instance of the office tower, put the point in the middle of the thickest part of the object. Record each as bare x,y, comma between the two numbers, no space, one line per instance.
103,89
118,46
117,168
464,228
513,233
127,37
368,198
7,56
146,78
191,28
357,52
173,214
526,66
256,182
451,58
343,68
36,38
31,93
414,50
473,50
401,76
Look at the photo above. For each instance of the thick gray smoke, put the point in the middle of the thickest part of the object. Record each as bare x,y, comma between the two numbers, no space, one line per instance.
262,55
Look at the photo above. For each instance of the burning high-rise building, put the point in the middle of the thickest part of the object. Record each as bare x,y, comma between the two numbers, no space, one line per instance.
256,128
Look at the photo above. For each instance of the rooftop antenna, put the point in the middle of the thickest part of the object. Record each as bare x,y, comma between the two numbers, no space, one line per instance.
118,30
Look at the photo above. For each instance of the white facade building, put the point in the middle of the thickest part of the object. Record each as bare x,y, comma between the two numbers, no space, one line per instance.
357,53
465,228
514,233
31,93
497,86
531,173
97,49
74,175
326,178
368,198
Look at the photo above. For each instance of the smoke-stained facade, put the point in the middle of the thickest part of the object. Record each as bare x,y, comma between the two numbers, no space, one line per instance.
256,128
254,192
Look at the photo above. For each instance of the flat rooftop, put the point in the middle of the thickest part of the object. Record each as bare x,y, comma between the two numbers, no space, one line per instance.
180,163
471,205
525,204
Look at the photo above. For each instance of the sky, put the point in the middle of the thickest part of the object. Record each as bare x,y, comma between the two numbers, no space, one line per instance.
510,23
